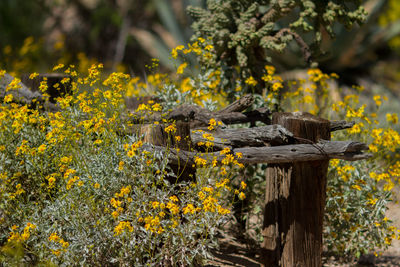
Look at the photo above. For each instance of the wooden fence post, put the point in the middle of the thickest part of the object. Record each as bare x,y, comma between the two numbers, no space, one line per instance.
295,199
155,134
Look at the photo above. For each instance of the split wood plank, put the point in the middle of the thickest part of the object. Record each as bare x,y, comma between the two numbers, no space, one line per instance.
323,150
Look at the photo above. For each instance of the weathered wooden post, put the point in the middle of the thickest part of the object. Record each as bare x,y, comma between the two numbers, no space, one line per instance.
295,199
155,134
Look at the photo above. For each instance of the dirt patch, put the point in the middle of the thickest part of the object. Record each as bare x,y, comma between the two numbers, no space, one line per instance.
237,252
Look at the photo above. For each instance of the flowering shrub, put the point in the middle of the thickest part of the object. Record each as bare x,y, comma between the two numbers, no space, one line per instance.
357,193
74,189
76,186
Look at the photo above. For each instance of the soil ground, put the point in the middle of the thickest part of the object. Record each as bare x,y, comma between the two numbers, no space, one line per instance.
233,252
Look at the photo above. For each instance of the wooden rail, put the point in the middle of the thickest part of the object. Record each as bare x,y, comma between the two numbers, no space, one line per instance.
296,147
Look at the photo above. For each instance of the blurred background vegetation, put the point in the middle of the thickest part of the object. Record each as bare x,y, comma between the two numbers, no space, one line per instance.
126,34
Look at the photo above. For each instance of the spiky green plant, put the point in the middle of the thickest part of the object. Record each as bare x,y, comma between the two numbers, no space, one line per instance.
245,32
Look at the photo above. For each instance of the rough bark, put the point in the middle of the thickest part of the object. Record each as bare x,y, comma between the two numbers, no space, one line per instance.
239,105
200,117
298,153
295,197
253,137
341,125
162,141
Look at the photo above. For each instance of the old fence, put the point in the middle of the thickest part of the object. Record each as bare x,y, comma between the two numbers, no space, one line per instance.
297,148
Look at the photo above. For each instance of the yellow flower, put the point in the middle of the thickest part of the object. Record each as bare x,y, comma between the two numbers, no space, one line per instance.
174,52
115,214
41,148
276,86
270,69
243,185
120,165
173,198
377,99
389,117
170,128
121,227
33,75
223,211
356,128
212,123
356,186
372,201
54,237
98,142
223,171
59,66
201,195
226,150
189,209
156,107
208,136
14,85
251,81
8,98
107,94
181,68
131,153
200,161
239,155
155,204
241,196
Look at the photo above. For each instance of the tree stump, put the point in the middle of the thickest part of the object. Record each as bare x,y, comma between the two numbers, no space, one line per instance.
295,199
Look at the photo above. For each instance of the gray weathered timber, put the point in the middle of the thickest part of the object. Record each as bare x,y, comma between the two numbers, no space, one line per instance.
200,117
253,137
323,150
21,95
341,125
346,150
239,105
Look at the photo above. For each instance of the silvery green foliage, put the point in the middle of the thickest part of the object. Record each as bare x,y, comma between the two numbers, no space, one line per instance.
244,32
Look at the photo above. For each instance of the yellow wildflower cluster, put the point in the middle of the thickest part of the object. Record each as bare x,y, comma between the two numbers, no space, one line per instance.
121,226
56,240
209,198
118,200
17,192
153,224
21,237
132,149
170,128
212,124
273,83
51,179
